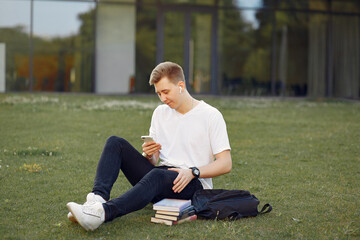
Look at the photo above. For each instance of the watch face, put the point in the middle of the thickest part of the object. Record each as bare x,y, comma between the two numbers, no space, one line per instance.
196,172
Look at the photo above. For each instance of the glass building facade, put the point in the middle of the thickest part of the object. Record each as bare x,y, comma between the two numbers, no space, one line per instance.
226,47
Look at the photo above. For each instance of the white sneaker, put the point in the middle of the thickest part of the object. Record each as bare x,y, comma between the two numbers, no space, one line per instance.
91,197
89,216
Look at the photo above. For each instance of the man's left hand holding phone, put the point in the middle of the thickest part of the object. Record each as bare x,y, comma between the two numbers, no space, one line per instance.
150,149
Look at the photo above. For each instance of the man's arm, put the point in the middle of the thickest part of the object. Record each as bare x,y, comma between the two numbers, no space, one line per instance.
220,166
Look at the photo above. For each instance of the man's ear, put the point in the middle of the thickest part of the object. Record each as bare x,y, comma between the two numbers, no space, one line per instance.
181,84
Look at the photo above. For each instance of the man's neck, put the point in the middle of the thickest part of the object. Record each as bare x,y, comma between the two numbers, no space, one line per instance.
188,104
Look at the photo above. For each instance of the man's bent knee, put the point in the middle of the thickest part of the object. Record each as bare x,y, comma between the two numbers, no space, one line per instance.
116,141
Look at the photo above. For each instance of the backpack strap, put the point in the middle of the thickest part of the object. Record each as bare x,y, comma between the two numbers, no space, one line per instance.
266,206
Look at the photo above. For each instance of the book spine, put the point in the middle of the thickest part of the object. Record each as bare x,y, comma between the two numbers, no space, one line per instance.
186,214
167,217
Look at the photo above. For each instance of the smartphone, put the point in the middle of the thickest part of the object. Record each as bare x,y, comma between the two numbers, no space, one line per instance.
147,138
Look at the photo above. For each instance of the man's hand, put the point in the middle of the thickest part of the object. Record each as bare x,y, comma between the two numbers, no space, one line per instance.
151,148
182,180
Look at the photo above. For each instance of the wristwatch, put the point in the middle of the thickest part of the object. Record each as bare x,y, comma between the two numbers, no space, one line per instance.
195,172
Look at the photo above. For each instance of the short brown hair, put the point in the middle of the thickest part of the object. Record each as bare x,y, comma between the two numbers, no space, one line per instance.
167,69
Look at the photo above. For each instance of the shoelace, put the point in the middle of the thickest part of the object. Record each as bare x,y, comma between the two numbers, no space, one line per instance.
92,210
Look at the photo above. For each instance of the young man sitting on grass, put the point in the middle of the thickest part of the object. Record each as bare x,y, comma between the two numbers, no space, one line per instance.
188,135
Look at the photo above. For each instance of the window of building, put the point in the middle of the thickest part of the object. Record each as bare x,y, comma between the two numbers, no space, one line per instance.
245,52
59,55
14,37
145,47
63,46
296,46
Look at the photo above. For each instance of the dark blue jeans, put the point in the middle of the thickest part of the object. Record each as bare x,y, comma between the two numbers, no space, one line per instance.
150,183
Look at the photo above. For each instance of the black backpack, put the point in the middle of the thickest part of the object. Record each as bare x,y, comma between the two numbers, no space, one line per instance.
221,204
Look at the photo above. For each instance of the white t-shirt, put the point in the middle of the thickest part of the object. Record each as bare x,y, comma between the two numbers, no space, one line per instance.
191,139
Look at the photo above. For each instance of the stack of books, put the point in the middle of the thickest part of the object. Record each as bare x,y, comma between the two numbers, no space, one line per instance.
173,211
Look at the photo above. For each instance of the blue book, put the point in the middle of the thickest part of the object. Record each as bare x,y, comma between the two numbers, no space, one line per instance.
172,205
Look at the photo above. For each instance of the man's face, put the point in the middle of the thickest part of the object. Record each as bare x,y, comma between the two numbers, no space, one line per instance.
168,92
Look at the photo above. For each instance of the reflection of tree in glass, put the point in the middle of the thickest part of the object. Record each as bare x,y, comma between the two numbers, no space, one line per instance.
55,59
16,41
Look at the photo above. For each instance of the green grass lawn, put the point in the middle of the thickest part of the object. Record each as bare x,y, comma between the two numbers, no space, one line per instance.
301,156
